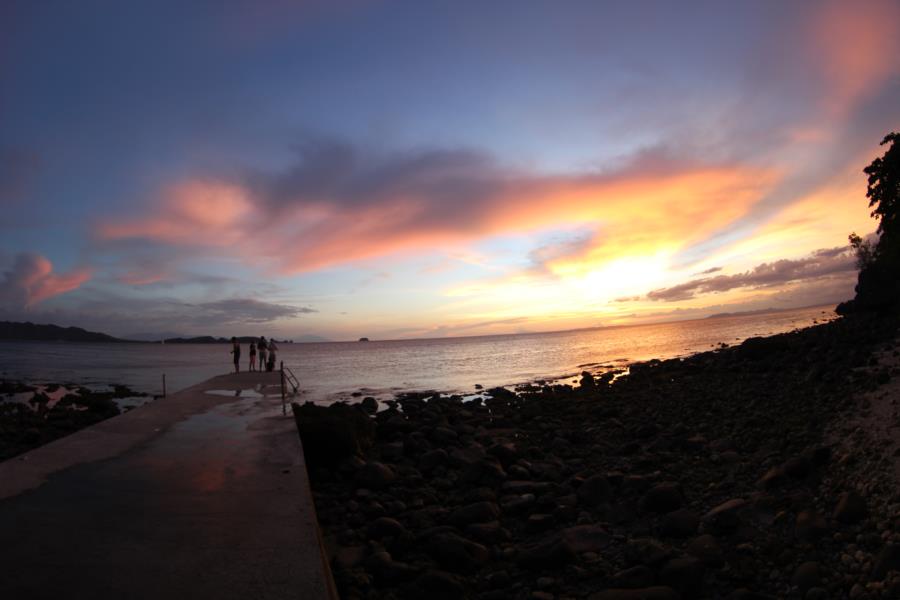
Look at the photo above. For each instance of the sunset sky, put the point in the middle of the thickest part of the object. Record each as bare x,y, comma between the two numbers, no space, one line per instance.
416,169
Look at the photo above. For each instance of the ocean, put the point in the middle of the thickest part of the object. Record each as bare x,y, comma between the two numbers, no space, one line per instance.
336,370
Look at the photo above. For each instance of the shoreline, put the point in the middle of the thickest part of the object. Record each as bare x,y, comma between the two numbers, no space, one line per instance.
710,475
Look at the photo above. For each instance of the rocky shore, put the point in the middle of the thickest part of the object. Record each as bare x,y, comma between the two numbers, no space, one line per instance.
740,473
33,415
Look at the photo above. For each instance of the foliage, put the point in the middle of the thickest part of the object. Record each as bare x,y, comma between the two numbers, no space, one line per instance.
878,286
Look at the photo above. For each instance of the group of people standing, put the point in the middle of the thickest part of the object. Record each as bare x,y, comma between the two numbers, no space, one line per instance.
265,350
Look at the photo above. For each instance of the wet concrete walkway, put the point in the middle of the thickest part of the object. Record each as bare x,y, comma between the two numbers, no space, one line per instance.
203,494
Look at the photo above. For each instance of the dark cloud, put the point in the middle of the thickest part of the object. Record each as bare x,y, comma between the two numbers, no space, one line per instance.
31,280
822,263
710,271
248,310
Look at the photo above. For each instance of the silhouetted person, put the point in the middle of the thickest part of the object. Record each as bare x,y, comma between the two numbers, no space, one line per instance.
262,347
236,351
270,366
252,356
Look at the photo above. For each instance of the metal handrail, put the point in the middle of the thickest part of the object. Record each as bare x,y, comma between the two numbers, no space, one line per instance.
287,375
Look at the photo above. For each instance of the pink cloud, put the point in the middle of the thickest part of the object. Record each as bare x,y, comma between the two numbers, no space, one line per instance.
338,205
857,47
32,280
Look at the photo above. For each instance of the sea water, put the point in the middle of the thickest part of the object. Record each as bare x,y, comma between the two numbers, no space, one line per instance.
331,371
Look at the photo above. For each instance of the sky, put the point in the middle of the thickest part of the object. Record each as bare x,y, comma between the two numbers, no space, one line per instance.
338,169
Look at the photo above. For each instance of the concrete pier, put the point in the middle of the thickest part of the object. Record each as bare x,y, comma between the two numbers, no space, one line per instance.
203,494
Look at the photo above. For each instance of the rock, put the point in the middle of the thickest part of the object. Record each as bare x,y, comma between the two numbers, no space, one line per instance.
806,576
888,559
810,526
333,433
851,508
384,527
725,517
369,404
774,477
816,593
526,487
392,451
539,522
478,512
375,476
651,593
488,533
663,497
587,538
593,491
385,569
681,523
506,453
484,472
455,553
349,556
436,585
552,553
745,594
646,551
444,436
433,458
639,576
516,504
707,549
684,574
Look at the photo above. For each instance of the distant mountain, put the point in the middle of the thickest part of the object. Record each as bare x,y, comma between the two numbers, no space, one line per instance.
10,330
152,337
762,311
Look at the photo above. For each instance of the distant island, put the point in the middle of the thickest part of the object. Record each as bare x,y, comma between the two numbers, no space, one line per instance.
10,330
364,339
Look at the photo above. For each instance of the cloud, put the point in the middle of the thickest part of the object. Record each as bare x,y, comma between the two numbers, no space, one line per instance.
820,264
31,280
340,203
248,310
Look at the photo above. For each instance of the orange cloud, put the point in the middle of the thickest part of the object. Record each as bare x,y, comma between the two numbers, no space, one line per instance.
32,280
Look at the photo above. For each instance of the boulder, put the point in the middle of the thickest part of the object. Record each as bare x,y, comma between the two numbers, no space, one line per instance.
385,527
663,497
806,576
707,549
478,512
681,523
639,576
888,559
726,516
552,553
435,585
375,476
851,508
333,433
594,490
456,553
684,574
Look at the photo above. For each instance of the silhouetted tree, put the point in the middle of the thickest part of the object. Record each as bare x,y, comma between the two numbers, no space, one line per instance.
878,285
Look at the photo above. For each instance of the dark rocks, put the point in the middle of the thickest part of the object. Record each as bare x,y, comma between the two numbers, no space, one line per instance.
594,490
651,593
888,559
851,508
385,527
810,525
587,538
646,551
375,475
432,459
806,576
333,433
552,553
684,574
726,516
478,512
707,549
369,404
456,553
663,497
681,523
435,585
639,576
